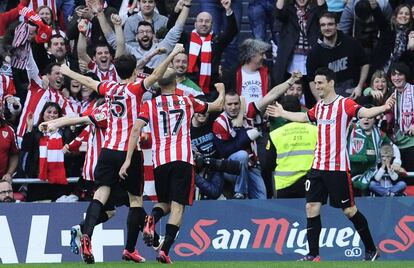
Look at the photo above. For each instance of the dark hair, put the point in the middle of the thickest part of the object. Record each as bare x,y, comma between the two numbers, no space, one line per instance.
101,44
49,67
363,9
146,23
330,15
47,105
328,73
290,103
168,78
394,25
400,67
125,66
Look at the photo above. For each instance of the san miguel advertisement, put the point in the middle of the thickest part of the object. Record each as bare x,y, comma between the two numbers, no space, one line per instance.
212,230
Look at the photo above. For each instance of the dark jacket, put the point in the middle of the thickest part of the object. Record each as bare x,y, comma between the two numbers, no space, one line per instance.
289,36
218,43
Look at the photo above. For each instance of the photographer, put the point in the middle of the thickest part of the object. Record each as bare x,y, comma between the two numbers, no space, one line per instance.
209,181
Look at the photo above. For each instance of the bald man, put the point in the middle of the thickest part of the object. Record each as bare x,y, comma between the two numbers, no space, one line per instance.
205,48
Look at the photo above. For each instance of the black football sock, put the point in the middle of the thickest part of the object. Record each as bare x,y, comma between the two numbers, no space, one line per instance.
103,217
170,234
361,225
92,215
157,213
314,226
135,221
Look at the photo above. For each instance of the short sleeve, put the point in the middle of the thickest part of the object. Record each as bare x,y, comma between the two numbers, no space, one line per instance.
104,87
144,113
99,116
199,106
351,107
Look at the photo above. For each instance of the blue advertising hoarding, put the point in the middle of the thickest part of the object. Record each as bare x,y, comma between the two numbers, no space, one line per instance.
233,230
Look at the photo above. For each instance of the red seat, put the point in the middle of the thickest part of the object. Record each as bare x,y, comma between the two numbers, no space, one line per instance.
409,191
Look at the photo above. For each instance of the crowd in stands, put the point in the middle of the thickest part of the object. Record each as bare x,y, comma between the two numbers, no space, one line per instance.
369,44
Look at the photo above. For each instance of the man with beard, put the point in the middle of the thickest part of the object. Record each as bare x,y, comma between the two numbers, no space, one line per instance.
38,94
145,38
6,192
146,13
185,84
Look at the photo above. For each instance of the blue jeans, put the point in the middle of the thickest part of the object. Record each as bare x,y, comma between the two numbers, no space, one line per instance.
250,180
231,53
262,13
396,189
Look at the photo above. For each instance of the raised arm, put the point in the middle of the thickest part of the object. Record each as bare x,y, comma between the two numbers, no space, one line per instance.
184,13
132,144
217,105
160,70
82,42
278,111
119,33
277,91
84,80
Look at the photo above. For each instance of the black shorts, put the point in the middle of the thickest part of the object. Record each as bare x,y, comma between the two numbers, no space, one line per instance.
109,164
175,182
336,184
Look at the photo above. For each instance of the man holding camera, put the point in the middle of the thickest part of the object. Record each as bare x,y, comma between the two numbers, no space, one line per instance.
237,141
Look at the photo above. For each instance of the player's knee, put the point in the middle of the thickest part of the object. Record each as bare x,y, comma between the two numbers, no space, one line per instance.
313,209
350,212
135,201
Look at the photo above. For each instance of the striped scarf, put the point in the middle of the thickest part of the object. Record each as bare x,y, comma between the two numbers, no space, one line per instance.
21,47
197,45
51,159
302,46
404,108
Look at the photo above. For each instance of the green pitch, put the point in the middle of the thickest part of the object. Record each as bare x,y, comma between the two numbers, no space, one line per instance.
291,264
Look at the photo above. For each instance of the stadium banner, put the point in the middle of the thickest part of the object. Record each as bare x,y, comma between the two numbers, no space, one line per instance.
233,230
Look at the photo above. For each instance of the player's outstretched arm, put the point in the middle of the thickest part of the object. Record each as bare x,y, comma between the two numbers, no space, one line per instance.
53,125
217,105
160,70
132,144
277,91
84,80
278,111
374,111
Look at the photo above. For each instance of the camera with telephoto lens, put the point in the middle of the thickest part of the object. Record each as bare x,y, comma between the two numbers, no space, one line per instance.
220,165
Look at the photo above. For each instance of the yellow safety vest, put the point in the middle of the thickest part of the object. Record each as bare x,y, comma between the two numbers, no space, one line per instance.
295,145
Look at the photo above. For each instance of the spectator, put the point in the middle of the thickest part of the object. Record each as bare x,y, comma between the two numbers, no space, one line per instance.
146,43
386,181
261,14
340,53
378,88
364,143
238,142
180,65
290,153
41,163
9,154
366,21
6,192
299,33
404,113
147,13
206,47
209,181
220,16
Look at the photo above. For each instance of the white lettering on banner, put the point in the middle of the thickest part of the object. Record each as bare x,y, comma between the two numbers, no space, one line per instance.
343,235
37,242
222,242
7,250
101,238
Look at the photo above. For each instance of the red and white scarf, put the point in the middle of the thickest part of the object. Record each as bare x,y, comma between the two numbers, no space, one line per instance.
197,45
405,108
51,159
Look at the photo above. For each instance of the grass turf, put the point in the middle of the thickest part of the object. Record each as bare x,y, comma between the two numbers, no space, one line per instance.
291,264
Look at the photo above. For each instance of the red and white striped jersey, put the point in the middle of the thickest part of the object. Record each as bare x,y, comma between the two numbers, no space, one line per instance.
169,117
36,98
332,120
124,101
110,75
94,136
6,87
35,4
